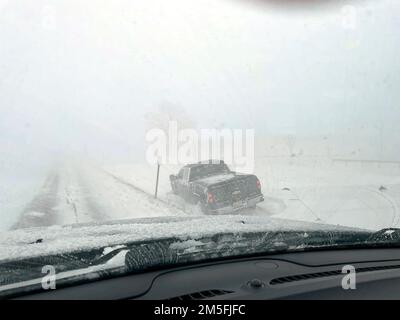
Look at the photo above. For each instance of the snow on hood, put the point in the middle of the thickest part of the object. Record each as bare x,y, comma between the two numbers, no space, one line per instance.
34,242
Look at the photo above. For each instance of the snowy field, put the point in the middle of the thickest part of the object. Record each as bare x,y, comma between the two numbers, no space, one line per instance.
363,195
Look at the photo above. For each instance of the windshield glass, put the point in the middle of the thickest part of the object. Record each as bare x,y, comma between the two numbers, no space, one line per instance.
102,103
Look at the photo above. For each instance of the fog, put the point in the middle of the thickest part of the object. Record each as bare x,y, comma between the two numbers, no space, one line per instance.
78,78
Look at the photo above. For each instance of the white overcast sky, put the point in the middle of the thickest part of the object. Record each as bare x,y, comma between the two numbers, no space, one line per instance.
79,74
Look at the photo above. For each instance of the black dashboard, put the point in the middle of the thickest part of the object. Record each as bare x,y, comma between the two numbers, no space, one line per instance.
302,275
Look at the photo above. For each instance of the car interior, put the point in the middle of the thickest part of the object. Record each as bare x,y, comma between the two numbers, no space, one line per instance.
304,275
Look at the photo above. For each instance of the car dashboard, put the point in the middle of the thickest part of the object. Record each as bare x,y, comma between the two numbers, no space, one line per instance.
301,275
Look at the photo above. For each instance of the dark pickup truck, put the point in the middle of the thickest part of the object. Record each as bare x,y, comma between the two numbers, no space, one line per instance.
215,188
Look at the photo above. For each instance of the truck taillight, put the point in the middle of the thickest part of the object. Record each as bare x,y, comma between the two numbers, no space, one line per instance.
210,197
258,184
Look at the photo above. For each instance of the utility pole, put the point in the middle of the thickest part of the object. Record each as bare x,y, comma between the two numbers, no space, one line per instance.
158,174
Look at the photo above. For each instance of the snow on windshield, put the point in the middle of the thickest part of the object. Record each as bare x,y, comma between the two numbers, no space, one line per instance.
91,91
34,242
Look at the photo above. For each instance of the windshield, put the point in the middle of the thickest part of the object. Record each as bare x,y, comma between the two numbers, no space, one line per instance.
103,103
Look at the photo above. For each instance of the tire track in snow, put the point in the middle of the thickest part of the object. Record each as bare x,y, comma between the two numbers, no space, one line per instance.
70,202
41,211
85,204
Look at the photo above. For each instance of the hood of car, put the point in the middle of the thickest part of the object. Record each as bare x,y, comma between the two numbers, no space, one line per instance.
33,242
85,252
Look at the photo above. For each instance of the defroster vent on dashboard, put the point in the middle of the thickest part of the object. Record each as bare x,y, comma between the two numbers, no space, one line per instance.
300,277
201,295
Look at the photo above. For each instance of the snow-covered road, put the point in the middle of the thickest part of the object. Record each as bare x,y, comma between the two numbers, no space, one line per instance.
333,195
80,194
41,211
